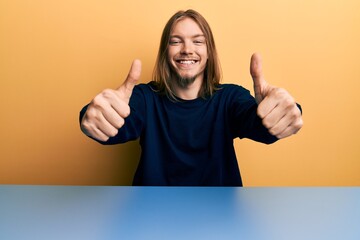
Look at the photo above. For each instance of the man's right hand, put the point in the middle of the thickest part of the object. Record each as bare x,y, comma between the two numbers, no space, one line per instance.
106,113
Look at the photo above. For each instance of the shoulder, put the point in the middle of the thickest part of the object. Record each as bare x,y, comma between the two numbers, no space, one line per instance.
145,93
150,87
232,95
232,90
228,87
146,89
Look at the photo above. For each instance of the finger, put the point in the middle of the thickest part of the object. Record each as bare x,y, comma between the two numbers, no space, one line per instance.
91,130
257,75
278,111
109,101
256,68
280,125
272,120
134,75
290,130
121,108
295,125
105,126
267,105
99,135
94,119
289,124
113,117
275,97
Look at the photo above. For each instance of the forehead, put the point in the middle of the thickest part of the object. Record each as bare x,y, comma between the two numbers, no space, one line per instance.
186,27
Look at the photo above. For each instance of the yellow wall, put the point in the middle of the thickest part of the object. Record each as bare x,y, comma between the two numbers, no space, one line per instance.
56,55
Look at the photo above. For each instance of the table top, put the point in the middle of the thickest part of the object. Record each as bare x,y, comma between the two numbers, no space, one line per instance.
100,212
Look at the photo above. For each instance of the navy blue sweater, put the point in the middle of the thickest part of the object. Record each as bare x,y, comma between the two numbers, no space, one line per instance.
190,142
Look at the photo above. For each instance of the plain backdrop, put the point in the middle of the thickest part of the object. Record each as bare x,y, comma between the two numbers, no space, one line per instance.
55,56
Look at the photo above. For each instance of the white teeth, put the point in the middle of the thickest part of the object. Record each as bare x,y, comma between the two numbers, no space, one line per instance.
187,62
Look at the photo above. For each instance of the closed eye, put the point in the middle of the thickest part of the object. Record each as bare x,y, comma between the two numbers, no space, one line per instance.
199,42
174,41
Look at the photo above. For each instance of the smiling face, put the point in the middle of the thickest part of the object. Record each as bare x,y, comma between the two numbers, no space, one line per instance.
187,52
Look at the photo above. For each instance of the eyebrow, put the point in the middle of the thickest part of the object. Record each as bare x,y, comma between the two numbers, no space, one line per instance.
194,36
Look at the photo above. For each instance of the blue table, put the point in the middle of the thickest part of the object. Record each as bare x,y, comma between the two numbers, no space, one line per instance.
71,212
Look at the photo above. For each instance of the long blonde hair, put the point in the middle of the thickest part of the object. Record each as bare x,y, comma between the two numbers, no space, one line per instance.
162,70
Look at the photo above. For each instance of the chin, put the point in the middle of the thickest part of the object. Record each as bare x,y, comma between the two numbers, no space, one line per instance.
185,81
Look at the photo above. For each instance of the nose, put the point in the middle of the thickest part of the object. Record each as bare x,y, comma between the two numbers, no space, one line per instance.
187,48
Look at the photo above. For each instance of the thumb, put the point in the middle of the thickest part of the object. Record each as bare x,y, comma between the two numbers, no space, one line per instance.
260,84
131,80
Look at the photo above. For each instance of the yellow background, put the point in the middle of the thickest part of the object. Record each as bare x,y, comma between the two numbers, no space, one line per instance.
56,55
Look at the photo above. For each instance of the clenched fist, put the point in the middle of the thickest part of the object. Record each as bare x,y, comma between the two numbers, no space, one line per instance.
276,107
106,113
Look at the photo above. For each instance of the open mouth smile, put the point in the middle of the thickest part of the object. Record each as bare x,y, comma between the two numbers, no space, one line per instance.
186,62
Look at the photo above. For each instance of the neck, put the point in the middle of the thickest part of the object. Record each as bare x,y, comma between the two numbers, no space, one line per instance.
189,92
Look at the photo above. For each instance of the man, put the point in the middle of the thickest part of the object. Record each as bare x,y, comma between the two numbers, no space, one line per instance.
185,119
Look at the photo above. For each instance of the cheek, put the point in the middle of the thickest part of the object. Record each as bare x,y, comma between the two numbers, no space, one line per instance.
171,52
170,57
205,56
204,53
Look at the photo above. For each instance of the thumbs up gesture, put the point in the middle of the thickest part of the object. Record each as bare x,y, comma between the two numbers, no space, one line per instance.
276,107
107,111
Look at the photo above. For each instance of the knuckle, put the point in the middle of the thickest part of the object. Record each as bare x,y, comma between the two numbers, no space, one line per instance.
89,130
107,93
260,112
98,101
281,135
266,123
273,131
288,101
126,111
103,138
294,113
85,127
282,91
120,123
277,92
114,132
92,115
103,97
299,124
